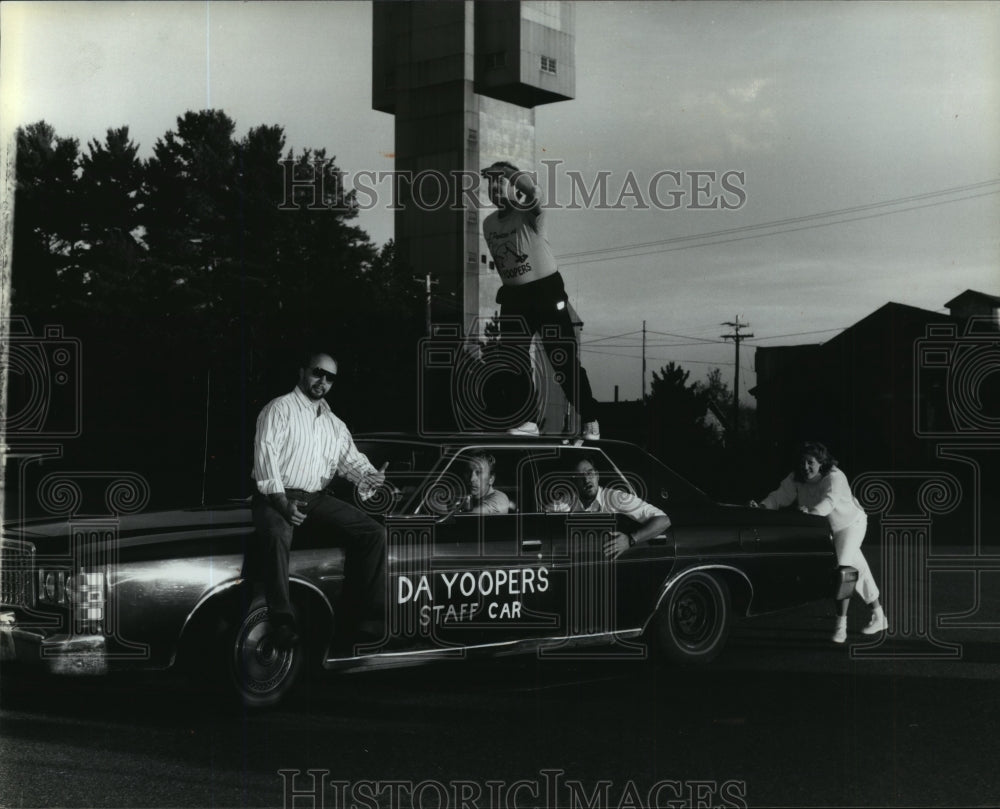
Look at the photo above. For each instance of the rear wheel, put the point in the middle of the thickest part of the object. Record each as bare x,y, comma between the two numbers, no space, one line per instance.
692,623
261,673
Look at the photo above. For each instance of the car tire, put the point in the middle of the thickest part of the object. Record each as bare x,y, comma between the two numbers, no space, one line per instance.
692,623
261,673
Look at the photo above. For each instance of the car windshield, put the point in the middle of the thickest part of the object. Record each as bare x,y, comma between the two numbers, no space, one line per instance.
409,463
501,482
658,479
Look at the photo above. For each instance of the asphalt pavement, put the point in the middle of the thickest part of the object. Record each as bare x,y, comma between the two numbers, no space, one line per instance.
783,718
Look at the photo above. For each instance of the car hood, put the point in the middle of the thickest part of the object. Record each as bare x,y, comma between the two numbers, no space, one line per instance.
133,529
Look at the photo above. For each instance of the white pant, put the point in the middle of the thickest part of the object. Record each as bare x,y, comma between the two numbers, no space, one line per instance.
847,544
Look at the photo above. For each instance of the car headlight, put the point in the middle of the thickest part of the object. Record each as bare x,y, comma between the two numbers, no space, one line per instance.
52,586
85,592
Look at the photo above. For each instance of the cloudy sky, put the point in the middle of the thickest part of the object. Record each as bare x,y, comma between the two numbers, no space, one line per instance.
868,136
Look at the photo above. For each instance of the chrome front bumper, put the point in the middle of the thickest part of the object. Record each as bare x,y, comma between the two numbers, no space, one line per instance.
82,655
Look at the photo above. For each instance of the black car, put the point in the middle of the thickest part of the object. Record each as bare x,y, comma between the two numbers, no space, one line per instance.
163,589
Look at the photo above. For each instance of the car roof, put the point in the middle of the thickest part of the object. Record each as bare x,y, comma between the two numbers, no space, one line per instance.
450,439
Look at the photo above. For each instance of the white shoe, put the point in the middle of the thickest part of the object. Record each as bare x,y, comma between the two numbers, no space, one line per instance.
591,431
528,428
878,623
840,633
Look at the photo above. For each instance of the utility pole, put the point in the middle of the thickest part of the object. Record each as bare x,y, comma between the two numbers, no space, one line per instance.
736,337
644,361
428,283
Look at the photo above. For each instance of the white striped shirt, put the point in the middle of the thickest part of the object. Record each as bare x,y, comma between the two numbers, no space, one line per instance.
301,444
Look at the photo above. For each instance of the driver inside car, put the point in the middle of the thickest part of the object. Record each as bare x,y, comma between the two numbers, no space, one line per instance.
482,497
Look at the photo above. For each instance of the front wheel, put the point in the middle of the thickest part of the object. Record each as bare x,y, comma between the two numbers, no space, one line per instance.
261,673
692,623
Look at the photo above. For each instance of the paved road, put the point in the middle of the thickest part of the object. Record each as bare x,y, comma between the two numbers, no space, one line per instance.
782,718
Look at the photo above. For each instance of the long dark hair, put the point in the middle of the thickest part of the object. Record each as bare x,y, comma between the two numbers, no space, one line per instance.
820,453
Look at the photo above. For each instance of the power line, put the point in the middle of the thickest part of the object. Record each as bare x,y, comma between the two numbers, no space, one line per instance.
662,359
610,337
663,333
773,233
685,336
800,333
793,220
702,344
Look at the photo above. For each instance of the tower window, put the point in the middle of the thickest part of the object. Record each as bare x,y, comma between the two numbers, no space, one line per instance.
548,64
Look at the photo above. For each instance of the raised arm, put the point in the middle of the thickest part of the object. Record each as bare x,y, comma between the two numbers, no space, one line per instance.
349,462
784,495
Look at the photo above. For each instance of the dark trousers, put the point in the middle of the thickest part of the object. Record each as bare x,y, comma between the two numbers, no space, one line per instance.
544,308
337,524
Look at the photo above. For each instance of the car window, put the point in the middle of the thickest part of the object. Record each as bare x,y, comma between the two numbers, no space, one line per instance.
562,472
409,464
450,487
653,480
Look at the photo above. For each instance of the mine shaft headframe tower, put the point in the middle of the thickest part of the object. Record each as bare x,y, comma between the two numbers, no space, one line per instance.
463,79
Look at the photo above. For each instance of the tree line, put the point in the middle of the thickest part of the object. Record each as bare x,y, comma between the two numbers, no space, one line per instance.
193,293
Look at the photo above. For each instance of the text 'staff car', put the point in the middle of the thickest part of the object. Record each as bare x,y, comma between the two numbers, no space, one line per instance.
163,589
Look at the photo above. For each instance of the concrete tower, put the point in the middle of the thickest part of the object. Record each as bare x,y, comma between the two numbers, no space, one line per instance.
463,79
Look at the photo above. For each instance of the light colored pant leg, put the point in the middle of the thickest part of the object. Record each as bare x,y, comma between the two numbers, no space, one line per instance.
847,545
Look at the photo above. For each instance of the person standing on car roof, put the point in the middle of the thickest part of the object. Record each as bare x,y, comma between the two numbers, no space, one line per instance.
819,487
532,289
300,445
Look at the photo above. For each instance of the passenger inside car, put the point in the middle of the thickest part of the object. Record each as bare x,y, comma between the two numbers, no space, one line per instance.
584,493
483,496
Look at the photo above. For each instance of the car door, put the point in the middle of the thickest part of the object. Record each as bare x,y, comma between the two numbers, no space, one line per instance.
479,579
788,556
598,596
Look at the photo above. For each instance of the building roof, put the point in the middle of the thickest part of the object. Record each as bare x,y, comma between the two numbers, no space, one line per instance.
972,294
883,334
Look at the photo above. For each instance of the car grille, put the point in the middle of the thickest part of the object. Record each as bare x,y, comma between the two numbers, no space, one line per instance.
16,566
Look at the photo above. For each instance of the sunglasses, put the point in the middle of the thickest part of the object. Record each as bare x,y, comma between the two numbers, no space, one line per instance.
322,373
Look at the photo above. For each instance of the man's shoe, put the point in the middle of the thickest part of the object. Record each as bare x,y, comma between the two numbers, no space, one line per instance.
528,428
878,623
840,633
591,431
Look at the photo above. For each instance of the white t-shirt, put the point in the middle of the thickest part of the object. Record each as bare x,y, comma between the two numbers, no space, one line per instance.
517,242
